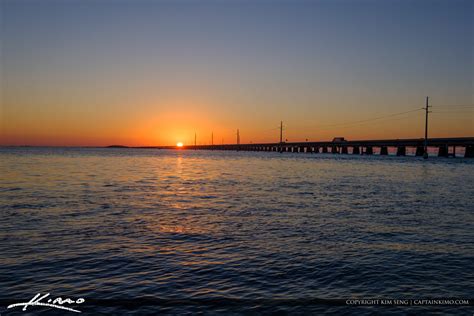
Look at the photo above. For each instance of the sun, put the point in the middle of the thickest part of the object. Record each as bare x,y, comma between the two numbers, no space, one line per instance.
179,144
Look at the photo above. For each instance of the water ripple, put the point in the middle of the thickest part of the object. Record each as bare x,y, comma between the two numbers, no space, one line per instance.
242,229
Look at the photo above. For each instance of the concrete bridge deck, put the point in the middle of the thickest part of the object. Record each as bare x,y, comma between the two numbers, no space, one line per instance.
356,146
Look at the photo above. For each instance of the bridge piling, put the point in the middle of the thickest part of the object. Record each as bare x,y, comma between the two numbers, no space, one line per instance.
355,150
469,153
443,151
420,151
401,151
384,151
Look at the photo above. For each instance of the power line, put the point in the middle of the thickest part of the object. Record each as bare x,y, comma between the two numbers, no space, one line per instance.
461,108
453,106
460,111
372,119
455,115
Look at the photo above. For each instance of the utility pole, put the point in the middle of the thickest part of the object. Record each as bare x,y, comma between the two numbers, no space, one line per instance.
194,138
281,132
238,137
281,137
426,108
212,138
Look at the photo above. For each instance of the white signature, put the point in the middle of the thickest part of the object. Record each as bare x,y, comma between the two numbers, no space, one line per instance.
56,303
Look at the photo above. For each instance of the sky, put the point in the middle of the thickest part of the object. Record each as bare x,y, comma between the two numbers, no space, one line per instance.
144,72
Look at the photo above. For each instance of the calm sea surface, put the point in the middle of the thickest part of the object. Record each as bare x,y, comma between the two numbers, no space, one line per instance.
143,231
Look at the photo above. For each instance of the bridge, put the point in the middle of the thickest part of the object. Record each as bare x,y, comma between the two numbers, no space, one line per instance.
446,147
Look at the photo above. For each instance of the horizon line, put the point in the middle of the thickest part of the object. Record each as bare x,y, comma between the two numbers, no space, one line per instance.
226,144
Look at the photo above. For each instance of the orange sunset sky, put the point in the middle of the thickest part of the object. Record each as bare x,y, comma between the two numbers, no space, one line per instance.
97,73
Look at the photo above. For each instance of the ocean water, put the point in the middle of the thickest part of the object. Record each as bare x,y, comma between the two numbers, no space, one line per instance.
144,231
